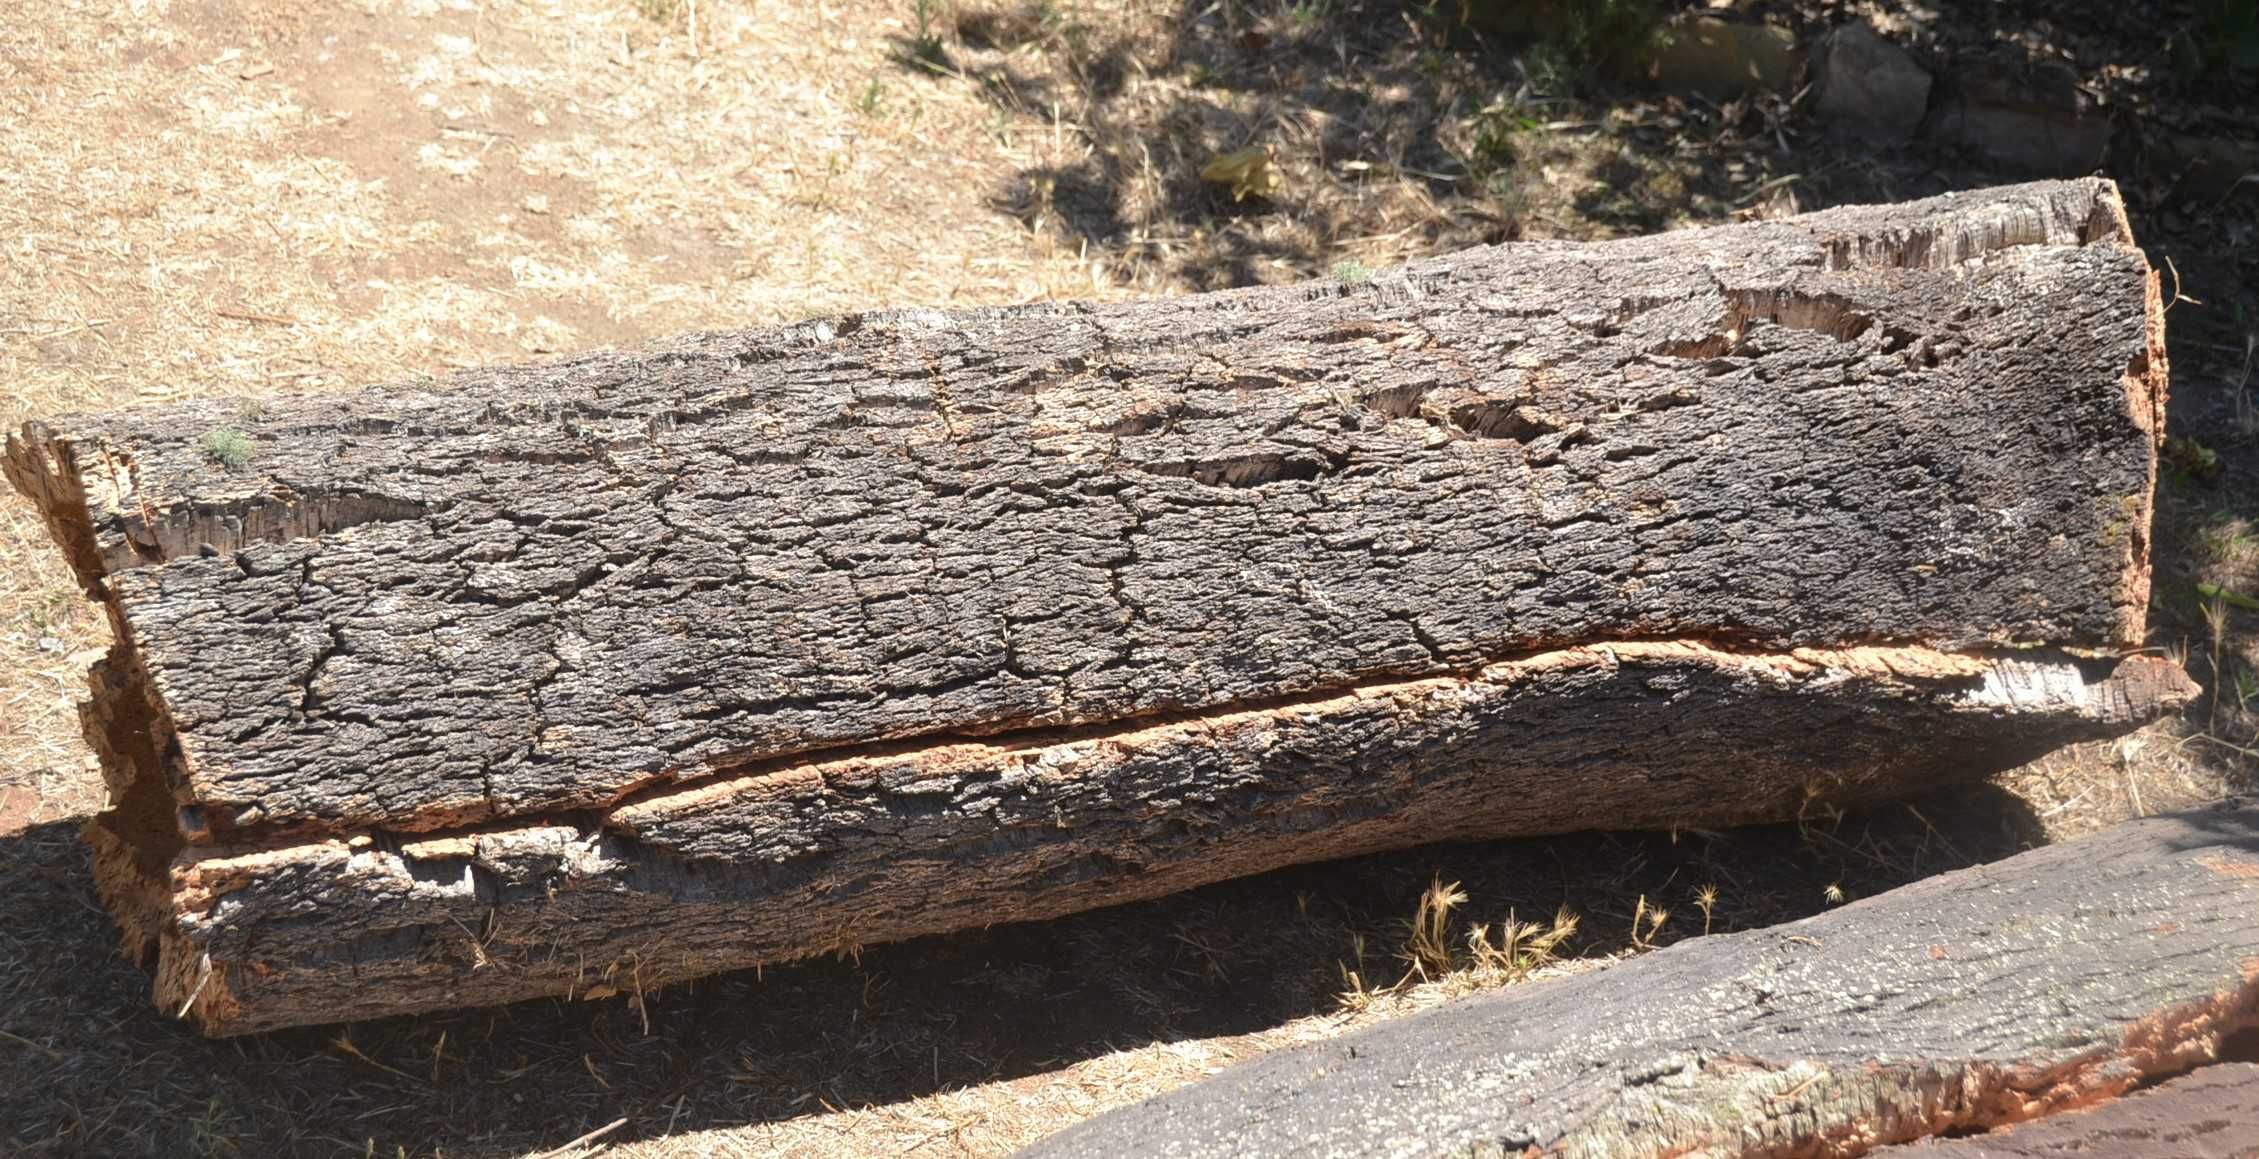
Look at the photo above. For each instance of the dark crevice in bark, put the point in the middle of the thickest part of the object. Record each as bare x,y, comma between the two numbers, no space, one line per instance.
1252,469
226,528
2073,215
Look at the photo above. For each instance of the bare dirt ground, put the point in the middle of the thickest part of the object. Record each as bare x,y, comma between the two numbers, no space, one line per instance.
242,197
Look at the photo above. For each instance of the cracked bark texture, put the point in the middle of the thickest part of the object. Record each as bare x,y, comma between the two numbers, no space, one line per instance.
810,856
2046,982
647,665
544,587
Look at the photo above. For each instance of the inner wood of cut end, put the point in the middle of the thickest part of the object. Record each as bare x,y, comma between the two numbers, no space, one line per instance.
138,839
2148,383
138,836
1904,1101
34,463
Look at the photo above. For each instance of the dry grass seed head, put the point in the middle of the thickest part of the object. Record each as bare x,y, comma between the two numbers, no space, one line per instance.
1427,948
228,447
1522,948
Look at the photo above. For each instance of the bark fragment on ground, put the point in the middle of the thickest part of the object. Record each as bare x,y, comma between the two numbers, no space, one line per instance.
2044,983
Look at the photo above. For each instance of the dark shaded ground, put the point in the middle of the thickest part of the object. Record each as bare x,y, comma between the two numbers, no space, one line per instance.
1393,136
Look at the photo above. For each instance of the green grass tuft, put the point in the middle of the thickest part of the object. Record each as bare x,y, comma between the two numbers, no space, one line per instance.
228,447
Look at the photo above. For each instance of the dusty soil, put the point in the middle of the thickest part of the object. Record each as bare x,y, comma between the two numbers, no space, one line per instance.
242,197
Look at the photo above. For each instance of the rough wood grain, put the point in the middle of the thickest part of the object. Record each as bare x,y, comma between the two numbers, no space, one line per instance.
2046,982
541,588
808,856
2210,1113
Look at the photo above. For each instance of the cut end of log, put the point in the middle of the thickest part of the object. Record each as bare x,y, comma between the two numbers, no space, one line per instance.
40,468
2148,382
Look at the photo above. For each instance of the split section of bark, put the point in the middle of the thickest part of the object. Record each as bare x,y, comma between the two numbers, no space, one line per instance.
544,588
803,857
2044,983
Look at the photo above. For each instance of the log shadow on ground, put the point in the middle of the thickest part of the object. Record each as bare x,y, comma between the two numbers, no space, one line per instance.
89,1067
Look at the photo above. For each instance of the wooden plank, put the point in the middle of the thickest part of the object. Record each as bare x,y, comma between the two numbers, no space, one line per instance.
2043,983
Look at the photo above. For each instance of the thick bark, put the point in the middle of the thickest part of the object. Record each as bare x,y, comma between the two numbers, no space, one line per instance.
804,857
647,665
2050,981
540,588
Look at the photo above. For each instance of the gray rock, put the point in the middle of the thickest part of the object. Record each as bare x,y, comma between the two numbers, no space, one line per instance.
2204,167
2030,117
1870,87
1721,58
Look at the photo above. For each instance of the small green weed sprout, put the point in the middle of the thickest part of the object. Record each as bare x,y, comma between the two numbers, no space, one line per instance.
228,447
1351,272
925,48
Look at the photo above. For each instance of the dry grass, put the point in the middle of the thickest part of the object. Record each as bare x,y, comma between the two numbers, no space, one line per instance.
240,197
